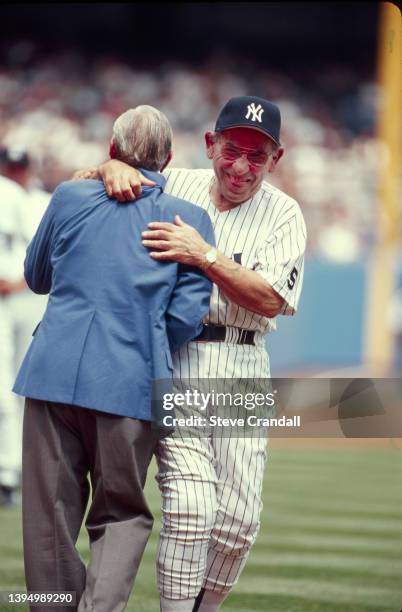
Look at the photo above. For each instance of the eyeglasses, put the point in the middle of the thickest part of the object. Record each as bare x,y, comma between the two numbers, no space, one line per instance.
254,158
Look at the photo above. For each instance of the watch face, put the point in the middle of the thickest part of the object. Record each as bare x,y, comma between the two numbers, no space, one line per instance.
211,256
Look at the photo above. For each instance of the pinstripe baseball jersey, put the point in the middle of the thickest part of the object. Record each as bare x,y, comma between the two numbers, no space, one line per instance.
266,234
13,238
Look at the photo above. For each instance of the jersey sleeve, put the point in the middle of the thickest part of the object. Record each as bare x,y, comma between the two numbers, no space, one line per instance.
280,258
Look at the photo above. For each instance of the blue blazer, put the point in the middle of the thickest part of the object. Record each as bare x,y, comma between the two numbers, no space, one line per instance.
114,314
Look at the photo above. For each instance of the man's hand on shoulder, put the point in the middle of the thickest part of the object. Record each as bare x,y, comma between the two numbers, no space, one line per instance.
121,181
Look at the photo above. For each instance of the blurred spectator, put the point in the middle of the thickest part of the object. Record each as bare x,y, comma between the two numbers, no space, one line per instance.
60,109
12,252
21,207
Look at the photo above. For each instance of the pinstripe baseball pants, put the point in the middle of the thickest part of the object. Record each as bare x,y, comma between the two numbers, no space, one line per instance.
210,485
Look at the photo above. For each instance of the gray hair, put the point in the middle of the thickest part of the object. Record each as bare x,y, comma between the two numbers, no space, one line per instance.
142,137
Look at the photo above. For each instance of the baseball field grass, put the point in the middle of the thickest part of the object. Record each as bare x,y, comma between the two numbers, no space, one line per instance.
330,539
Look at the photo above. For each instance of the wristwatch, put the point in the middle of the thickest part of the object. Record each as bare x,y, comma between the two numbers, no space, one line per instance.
210,258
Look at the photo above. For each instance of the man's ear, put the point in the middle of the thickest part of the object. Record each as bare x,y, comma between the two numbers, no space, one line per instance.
168,160
210,140
274,159
112,150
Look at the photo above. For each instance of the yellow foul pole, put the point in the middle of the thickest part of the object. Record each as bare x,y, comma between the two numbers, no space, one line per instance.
379,341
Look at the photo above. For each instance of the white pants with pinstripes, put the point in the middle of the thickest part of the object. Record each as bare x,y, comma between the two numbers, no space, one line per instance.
211,486
19,315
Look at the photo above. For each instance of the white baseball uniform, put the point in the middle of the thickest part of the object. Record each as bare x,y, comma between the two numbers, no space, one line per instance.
20,312
211,488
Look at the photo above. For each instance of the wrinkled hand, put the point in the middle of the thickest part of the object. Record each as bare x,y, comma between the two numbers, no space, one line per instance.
177,242
122,181
90,173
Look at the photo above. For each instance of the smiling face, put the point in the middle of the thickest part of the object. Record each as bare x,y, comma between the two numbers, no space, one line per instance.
241,157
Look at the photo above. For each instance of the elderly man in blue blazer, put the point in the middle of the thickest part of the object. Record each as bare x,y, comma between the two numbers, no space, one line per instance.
113,318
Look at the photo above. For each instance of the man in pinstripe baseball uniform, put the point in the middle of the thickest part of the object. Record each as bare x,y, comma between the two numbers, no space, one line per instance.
211,488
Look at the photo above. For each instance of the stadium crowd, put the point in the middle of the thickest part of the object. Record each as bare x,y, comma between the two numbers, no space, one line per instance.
60,109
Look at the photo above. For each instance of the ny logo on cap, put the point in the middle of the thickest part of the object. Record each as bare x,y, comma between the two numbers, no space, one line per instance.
254,112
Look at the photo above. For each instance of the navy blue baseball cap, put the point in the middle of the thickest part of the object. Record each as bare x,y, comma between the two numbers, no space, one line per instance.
14,157
251,112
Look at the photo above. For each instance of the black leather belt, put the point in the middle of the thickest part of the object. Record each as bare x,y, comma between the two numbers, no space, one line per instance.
219,333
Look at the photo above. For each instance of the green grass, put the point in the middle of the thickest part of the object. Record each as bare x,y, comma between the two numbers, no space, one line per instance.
330,540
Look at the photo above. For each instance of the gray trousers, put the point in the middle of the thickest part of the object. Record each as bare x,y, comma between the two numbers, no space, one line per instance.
62,445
